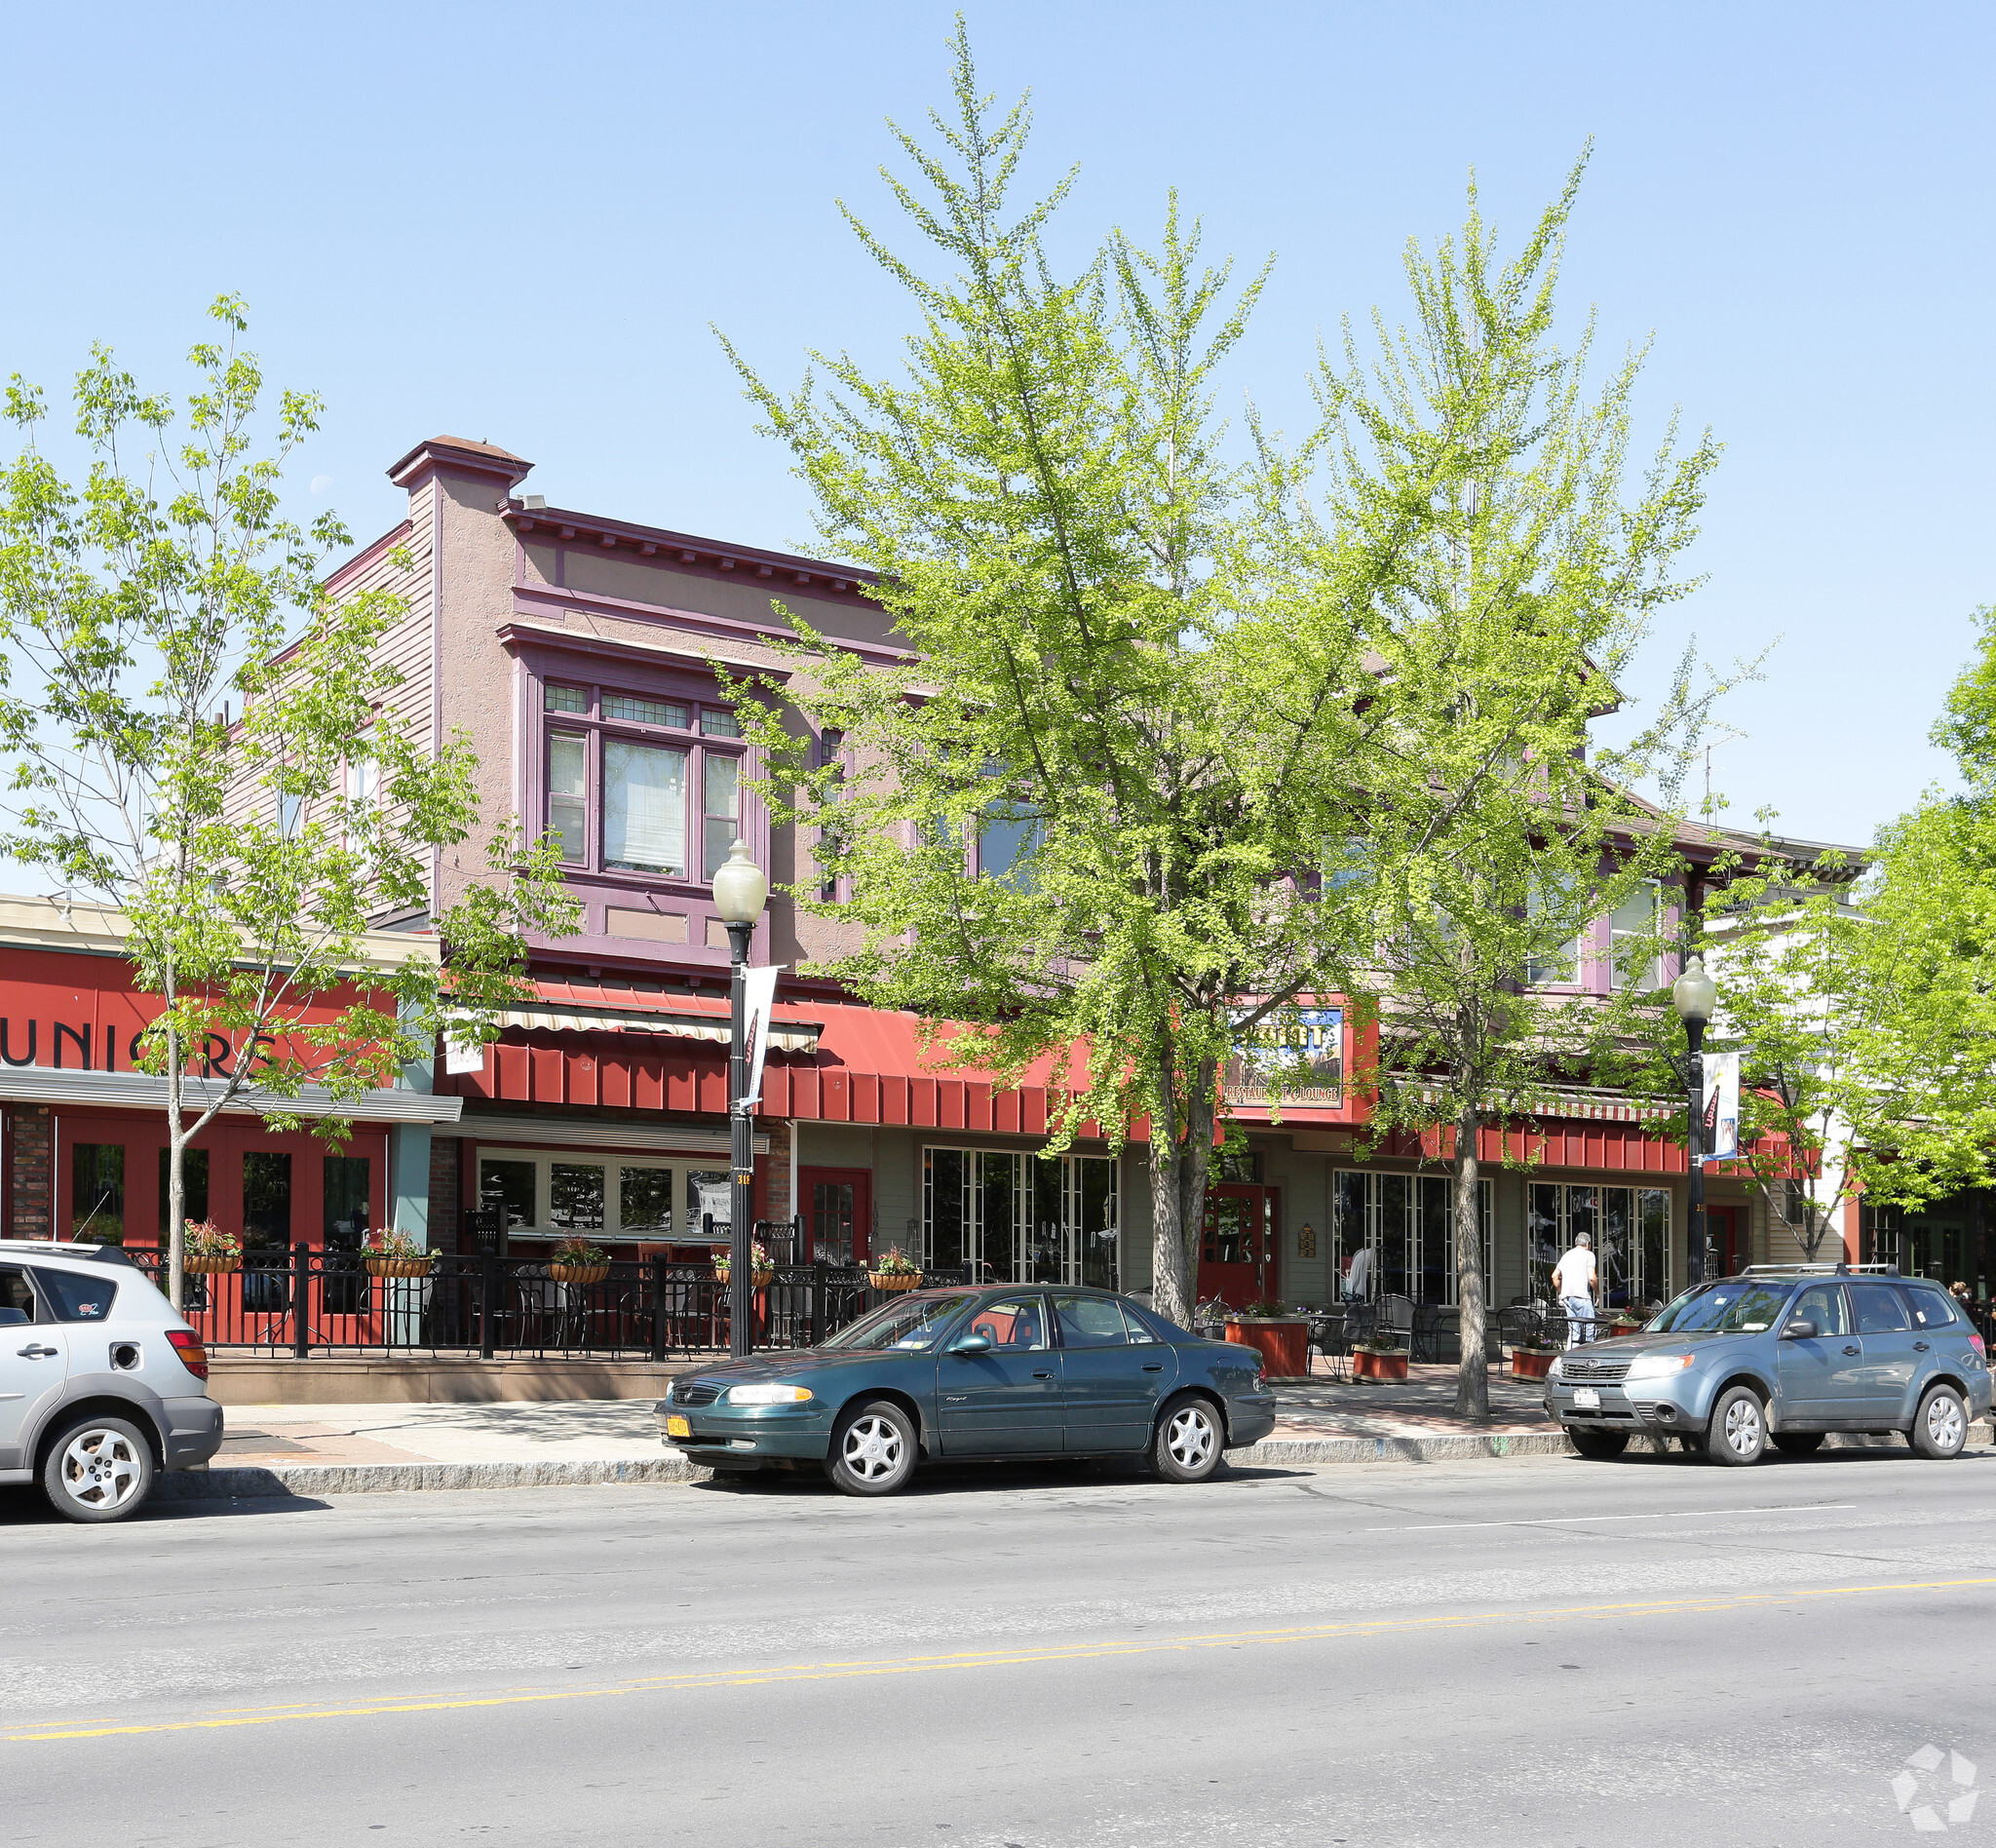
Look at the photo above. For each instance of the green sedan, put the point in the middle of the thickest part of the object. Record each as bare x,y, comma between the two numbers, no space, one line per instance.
1012,1372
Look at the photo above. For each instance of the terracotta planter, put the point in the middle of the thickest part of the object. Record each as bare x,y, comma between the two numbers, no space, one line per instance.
397,1266
205,1266
1625,1328
1282,1344
894,1280
1525,1366
578,1273
1366,1366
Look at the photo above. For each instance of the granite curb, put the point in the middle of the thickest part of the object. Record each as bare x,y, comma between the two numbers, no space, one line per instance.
309,1479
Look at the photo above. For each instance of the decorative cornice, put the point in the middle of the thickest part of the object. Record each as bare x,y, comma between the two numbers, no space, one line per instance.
143,1090
685,549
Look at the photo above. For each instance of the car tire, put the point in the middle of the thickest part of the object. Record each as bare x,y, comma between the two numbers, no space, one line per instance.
1189,1444
1600,1445
97,1469
1738,1433
873,1449
1940,1427
1798,1442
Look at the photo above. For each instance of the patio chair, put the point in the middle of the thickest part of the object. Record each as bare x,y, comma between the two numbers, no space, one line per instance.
1332,1336
1398,1313
1425,1341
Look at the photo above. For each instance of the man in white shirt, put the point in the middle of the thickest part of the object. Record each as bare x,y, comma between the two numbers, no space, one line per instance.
1573,1283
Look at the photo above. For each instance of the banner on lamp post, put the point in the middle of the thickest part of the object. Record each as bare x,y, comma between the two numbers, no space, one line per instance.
1721,1128
758,989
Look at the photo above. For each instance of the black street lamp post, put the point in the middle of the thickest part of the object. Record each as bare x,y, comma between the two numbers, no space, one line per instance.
1694,993
740,888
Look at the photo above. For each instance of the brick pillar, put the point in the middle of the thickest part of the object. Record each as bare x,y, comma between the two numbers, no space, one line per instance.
31,1183
773,1171
446,1222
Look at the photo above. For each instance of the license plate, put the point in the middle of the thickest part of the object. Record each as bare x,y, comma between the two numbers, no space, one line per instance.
1586,1399
678,1427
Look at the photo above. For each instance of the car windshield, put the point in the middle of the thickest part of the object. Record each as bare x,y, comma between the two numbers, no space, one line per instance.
1723,1309
913,1323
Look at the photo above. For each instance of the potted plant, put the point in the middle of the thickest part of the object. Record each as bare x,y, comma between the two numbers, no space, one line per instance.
760,1269
1629,1321
1379,1356
1281,1338
896,1271
395,1254
577,1261
209,1250
1532,1360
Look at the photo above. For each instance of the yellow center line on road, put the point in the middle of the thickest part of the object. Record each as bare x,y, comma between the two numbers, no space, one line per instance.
1108,1649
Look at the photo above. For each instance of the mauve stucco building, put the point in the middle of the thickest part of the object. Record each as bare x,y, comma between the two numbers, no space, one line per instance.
578,652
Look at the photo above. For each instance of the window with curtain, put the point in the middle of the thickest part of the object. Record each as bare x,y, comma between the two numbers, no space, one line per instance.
1633,940
569,793
645,808
722,794
1555,962
638,784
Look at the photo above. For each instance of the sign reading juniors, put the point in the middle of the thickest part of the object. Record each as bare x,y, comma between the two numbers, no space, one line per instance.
1293,1059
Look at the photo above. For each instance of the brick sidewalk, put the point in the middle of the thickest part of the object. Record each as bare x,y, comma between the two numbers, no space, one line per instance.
622,1430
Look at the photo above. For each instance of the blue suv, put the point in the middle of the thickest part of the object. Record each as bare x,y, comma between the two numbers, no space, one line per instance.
1782,1355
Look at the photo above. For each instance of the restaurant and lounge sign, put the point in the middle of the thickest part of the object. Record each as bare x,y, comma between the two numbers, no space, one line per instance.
1293,1059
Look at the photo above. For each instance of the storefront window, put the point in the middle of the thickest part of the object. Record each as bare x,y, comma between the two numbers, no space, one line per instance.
1023,1219
575,1196
709,1198
1408,1222
644,1200
509,1187
193,1179
266,1198
1629,1228
345,1191
96,1192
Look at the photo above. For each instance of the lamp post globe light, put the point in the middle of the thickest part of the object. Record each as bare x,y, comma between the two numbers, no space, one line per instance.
1695,994
740,889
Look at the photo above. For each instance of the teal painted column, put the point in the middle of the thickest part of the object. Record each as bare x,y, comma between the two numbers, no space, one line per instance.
408,1180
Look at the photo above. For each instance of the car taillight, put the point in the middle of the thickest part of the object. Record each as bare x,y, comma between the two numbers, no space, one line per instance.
1976,1342
187,1345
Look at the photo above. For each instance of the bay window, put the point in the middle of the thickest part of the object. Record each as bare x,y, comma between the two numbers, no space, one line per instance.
624,772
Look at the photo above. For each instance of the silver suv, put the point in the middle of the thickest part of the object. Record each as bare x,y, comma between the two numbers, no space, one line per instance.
102,1384
1781,1354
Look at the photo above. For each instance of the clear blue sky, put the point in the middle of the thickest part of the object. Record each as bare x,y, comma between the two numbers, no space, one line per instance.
518,222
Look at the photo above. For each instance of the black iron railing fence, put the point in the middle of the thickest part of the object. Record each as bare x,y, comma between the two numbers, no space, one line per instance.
305,1303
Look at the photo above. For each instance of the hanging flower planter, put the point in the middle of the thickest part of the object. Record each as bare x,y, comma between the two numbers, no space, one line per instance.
206,1251
379,1265
896,1271
577,1261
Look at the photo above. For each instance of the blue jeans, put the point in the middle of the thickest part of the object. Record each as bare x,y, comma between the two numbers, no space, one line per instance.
1580,1319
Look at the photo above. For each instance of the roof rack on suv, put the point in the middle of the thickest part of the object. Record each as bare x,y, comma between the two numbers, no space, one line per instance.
1839,1269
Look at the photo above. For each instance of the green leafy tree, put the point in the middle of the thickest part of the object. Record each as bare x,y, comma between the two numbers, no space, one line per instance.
1091,819
1535,572
247,806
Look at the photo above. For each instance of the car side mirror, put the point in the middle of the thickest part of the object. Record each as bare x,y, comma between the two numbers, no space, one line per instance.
973,1344
1799,1329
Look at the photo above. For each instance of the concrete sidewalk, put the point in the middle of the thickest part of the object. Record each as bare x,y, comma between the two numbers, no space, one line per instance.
345,1450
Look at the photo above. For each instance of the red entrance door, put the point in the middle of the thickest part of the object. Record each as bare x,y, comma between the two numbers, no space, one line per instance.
839,1214
1722,1230
1236,1255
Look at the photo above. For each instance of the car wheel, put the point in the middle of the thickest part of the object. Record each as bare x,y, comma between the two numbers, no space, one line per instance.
1738,1433
1941,1428
1189,1445
1798,1442
873,1449
1598,1445
97,1469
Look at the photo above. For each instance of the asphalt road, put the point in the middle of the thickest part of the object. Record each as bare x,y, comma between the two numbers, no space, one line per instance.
1543,1651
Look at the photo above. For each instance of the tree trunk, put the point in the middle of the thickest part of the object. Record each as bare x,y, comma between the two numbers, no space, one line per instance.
176,1187
1473,1372
1178,1193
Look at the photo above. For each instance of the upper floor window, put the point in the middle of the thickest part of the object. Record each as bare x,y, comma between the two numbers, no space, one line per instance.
1635,940
634,786
1554,962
